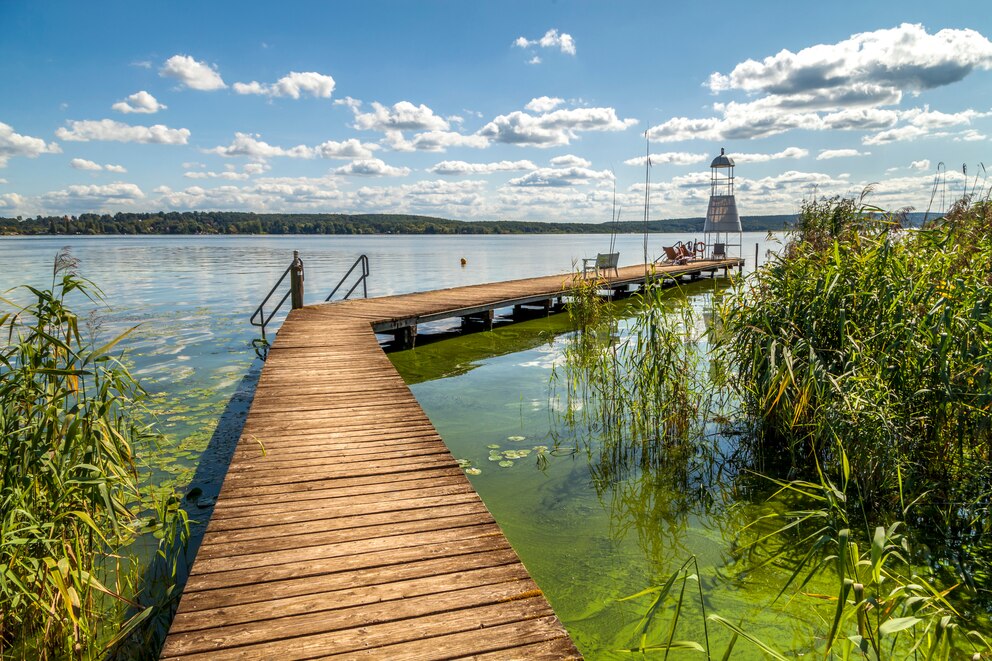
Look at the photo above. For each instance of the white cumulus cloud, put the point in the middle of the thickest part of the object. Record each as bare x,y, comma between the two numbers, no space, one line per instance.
669,158
92,197
83,164
192,73
439,141
139,102
560,177
294,85
11,201
114,131
906,58
371,167
461,167
554,128
251,146
15,144
921,165
789,152
827,154
350,148
841,86
401,116
551,39
570,160
544,104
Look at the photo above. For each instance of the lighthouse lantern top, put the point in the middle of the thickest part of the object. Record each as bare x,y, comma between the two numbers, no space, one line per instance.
722,161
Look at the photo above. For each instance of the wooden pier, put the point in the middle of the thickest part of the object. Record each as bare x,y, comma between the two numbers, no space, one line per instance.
344,526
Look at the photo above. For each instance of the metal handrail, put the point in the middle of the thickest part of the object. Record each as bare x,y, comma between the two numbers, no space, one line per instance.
259,313
364,261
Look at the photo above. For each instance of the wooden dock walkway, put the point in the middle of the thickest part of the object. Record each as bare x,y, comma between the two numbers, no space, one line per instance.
344,527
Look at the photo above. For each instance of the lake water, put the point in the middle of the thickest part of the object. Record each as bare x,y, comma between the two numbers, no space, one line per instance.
190,298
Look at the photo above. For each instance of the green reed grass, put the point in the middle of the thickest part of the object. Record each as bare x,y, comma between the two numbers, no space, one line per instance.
643,392
70,414
860,357
876,339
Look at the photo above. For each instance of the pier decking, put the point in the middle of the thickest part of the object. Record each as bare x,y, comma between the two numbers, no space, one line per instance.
344,526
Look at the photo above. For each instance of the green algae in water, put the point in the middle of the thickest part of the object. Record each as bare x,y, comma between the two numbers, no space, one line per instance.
590,538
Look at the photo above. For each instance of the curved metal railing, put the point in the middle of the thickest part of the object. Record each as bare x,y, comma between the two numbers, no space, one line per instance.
362,261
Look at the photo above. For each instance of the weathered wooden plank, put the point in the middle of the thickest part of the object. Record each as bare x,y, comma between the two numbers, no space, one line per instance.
348,485
284,512
362,569
355,628
293,483
283,563
350,597
269,536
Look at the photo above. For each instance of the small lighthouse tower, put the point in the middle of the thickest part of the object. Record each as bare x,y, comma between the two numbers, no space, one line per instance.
722,231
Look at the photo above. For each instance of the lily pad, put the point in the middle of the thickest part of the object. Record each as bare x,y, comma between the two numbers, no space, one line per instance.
473,471
505,464
464,463
493,446
516,439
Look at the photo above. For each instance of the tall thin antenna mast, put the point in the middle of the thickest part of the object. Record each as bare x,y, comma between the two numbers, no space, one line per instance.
614,216
647,193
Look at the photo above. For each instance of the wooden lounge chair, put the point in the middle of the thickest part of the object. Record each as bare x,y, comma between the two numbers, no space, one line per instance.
602,262
677,254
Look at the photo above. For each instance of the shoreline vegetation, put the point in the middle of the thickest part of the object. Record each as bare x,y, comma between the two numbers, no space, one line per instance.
72,497
229,222
852,375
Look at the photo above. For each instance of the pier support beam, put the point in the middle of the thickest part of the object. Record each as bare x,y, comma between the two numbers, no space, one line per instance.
537,307
405,337
485,317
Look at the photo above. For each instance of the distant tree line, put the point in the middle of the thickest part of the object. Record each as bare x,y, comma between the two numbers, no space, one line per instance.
231,222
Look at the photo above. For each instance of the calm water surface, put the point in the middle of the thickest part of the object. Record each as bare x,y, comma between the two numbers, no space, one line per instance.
189,299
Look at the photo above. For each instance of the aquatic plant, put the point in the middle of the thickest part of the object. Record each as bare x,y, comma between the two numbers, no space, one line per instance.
586,308
70,414
644,395
887,604
876,339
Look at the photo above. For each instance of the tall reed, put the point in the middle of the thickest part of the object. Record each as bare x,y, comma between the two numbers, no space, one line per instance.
873,338
70,414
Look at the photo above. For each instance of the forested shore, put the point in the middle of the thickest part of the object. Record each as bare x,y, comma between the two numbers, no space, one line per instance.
228,222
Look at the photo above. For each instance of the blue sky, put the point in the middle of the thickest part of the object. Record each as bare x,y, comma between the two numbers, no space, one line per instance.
485,110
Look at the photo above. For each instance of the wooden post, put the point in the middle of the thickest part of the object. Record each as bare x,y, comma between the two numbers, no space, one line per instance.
755,256
405,336
296,280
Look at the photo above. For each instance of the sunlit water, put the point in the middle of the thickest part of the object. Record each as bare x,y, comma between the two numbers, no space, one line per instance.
188,300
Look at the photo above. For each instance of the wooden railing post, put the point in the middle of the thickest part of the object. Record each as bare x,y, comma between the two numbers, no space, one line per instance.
296,280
